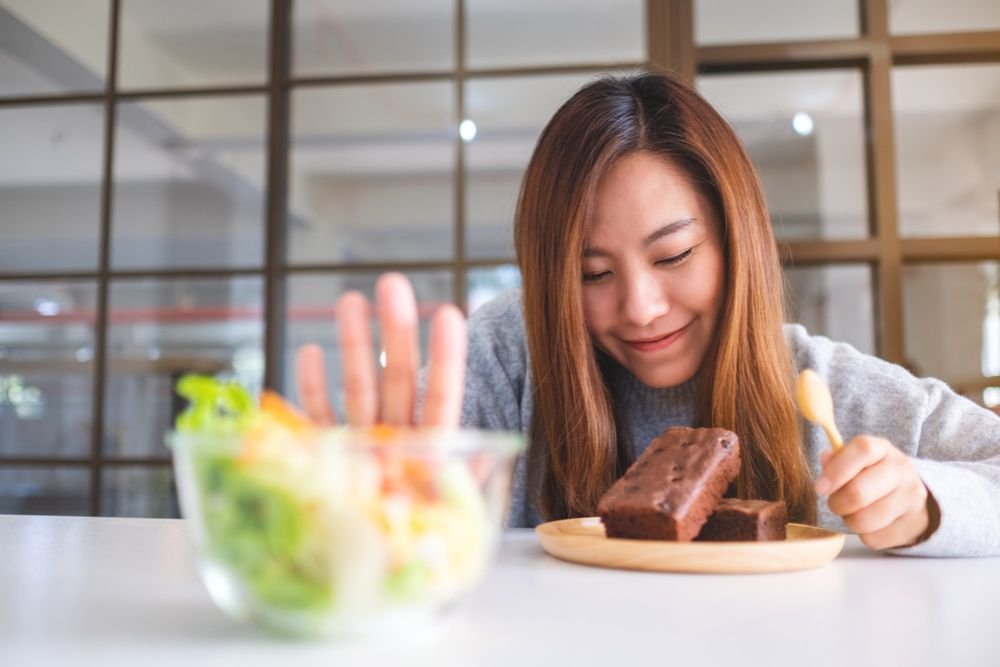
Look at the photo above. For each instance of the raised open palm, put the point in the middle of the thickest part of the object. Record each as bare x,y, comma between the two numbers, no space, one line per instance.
391,401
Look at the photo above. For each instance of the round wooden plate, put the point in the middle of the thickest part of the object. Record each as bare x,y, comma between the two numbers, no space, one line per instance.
583,541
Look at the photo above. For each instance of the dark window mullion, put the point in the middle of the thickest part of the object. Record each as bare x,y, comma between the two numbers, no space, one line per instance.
103,261
277,192
460,270
881,160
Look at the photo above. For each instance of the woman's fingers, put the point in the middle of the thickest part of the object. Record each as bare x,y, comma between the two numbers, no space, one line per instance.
880,513
397,314
446,369
860,453
357,359
866,488
310,375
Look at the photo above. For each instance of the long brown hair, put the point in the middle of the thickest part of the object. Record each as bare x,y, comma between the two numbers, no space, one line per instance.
746,379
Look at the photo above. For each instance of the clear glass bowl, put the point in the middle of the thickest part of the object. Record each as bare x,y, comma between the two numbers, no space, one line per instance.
350,532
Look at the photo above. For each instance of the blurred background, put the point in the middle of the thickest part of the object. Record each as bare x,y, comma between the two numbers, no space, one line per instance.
188,185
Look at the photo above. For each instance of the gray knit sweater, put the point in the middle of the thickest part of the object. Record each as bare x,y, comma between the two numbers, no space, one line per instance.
954,443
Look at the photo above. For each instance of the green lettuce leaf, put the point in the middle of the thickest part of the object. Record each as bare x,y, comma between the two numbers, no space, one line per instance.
215,407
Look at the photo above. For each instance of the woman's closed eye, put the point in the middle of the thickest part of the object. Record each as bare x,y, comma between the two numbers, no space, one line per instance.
673,260
596,276
599,276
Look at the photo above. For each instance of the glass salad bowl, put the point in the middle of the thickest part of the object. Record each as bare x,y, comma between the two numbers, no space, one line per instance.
333,532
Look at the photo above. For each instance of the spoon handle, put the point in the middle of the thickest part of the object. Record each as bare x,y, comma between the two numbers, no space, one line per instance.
836,442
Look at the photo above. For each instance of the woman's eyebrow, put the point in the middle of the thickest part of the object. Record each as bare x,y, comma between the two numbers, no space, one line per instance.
668,229
655,236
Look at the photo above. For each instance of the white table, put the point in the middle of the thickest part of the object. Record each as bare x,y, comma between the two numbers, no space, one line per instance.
84,591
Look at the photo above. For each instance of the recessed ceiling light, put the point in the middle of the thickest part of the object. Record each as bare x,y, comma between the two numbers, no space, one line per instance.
46,307
467,130
803,124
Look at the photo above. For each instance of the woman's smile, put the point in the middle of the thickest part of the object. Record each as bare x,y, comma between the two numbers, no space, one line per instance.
656,344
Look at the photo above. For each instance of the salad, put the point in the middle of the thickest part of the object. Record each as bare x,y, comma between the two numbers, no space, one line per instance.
314,531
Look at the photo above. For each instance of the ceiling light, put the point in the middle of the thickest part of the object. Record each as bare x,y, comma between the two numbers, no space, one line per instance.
46,307
802,123
467,130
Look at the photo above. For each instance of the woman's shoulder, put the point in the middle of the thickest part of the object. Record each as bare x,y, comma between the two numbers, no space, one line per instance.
498,327
849,371
501,316
497,375
808,349
503,306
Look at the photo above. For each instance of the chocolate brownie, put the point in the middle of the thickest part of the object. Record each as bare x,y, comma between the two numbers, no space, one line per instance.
737,520
673,487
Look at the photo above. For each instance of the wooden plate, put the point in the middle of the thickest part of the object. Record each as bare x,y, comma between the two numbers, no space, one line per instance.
583,541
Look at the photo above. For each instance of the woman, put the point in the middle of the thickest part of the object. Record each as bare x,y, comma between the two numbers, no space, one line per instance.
652,298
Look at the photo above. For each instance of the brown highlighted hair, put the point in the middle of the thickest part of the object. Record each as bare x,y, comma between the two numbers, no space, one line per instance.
746,379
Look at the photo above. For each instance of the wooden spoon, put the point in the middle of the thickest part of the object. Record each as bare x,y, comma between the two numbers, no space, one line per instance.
817,406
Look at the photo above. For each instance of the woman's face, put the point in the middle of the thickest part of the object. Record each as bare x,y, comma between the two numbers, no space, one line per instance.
653,271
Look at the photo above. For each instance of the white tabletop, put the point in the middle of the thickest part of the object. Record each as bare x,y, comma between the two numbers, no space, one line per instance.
84,591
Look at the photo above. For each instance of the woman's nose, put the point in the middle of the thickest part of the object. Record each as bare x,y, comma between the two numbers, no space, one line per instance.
644,300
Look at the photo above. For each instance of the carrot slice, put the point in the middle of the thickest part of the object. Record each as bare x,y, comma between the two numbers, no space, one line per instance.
273,406
277,418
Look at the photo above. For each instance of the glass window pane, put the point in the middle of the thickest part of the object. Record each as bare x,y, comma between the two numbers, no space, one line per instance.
53,46
161,329
486,284
50,187
737,21
360,36
951,315
138,492
193,43
372,170
509,114
805,134
59,491
189,183
517,33
46,368
930,16
836,301
947,122
312,319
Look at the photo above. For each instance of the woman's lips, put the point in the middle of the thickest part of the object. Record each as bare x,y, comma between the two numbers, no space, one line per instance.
657,343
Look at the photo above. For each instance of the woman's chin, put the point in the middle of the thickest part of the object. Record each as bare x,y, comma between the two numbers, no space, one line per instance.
662,379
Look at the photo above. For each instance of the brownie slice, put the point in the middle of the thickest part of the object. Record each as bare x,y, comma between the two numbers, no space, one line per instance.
736,520
673,487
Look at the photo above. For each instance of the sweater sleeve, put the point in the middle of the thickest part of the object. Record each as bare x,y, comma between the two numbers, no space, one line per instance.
954,443
498,388
496,372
